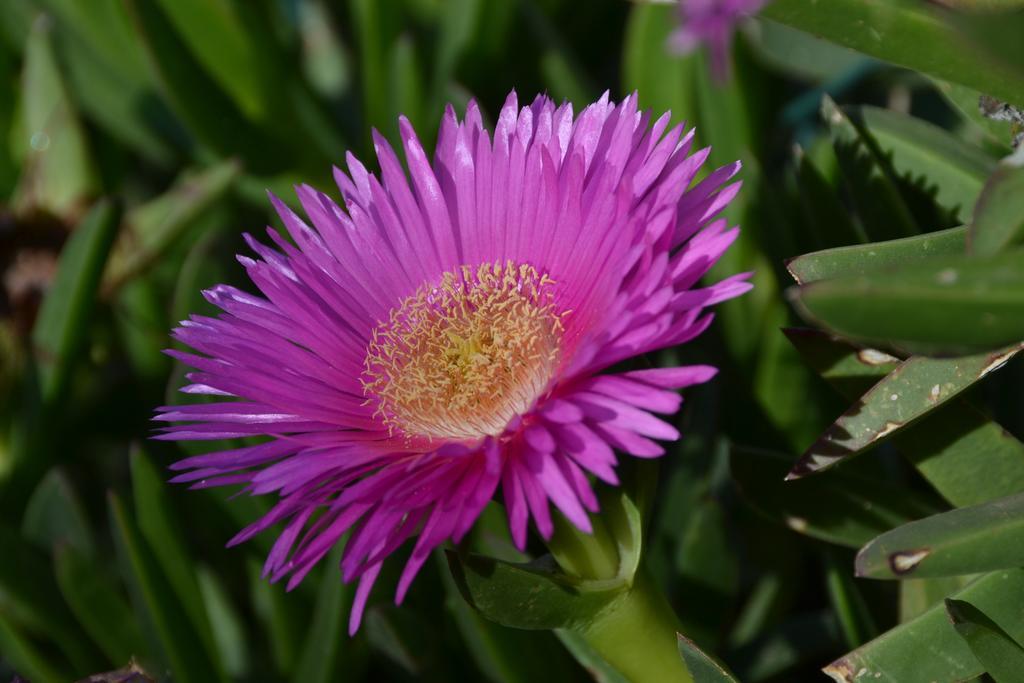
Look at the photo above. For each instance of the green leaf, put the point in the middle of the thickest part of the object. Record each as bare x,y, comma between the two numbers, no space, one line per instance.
156,603
217,33
999,214
847,507
664,81
828,220
372,22
155,226
968,540
848,603
1001,655
317,661
456,23
107,74
31,603
903,32
160,528
98,605
928,647
57,173
993,34
25,657
993,134
869,177
801,54
911,391
54,515
703,668
226,624
707,570
210,115
923,153
917,596
849,369
862,259
953,304
947,445
280,613
535,595
59,331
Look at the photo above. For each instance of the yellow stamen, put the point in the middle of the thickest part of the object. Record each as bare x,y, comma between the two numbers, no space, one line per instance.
459,359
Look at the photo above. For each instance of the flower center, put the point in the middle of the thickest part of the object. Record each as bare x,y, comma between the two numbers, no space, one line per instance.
460,359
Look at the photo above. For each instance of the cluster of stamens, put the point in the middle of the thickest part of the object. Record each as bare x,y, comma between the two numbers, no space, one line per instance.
460,358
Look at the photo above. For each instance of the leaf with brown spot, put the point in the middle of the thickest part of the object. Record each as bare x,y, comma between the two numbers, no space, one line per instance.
969,540
928,648
905,395
946,445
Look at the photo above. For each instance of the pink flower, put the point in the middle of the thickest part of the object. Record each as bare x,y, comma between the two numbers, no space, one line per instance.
445,334
711,23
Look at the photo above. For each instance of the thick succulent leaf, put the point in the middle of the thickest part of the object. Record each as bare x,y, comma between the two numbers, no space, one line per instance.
918,386
999,214
947,445
60,329
969,540
903,32
156,605
994,31
928,648
851,370
317,661
54,515
532,596
869,176
799,53
57,172
1001,655
967,101
98,605
861,259
953,304
917,596
922,153
703,668
153,227
497,650
846,507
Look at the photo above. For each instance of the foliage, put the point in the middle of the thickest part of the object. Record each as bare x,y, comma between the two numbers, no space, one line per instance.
881,214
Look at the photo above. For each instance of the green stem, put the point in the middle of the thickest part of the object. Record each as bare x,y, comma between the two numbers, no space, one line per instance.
636,634
636,631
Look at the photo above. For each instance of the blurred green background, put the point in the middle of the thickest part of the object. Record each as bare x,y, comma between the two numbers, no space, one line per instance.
137,139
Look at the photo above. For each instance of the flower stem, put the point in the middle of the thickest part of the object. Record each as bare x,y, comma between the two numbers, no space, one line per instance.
636,634
636,631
